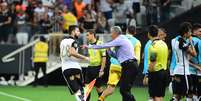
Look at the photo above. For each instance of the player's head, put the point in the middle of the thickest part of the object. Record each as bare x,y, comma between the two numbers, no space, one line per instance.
131,30
153,31
40,4
74,31
42,38
197,29
185,30
115,32
162,34
91,35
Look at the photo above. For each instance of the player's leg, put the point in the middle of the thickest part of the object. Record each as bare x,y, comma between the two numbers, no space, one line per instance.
74,81
178,87
99,81
192,94
92,72
114,77
189,96
199,88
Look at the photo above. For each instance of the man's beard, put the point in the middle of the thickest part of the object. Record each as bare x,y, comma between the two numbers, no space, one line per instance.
76,37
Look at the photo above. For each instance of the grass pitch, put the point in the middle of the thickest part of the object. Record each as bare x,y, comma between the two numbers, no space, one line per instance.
61,93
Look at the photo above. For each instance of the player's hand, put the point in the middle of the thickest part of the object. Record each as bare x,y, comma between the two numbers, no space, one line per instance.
101,73
87,59
151,66
190,38
84,46
145,80
199,68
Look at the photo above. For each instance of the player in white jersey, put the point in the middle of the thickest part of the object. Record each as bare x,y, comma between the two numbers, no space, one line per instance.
183,51
71,69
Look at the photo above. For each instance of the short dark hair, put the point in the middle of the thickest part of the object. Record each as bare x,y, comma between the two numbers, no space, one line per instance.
42,38
153,30
185,27
91,31
196,26
131,30
72,28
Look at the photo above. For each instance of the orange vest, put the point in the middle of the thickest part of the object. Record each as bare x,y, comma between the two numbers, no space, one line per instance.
79,9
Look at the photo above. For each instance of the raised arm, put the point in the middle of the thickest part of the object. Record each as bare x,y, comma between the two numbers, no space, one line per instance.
114,43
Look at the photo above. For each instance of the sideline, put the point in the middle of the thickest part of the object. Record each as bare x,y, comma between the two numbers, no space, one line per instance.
13,96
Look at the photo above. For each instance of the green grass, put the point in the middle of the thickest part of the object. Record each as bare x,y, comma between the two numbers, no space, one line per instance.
61,93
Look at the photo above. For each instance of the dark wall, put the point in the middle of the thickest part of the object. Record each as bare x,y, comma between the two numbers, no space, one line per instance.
13,66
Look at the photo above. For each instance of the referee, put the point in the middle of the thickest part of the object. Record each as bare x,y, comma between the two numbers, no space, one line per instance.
125,55
158,58
96,63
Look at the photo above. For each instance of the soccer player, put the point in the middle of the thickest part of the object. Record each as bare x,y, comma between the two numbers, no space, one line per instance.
182,50
126,58
131,32
194,62
96,63
71,69
158,58
115,68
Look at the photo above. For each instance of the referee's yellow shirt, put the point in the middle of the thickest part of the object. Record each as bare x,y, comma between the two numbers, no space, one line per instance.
159,48
96,55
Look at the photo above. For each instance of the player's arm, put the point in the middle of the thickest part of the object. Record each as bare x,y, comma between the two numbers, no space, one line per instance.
152,59
103,53
72,52
191,49
113,43
195,66
137,50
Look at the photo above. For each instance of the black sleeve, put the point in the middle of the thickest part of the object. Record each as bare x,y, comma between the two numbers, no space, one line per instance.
75,45
181,44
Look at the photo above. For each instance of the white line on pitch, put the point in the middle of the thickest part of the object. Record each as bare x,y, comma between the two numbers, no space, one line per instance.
13,96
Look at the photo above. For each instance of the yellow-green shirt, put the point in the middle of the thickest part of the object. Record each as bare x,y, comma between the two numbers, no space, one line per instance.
160,49
96,55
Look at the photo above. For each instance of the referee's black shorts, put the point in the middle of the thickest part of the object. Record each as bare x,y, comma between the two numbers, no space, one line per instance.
91,73
182,84
157,83
74,79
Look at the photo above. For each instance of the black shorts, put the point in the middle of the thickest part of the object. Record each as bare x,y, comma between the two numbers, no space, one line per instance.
194,82
74,79
157,83
91,73
181,85
199,85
